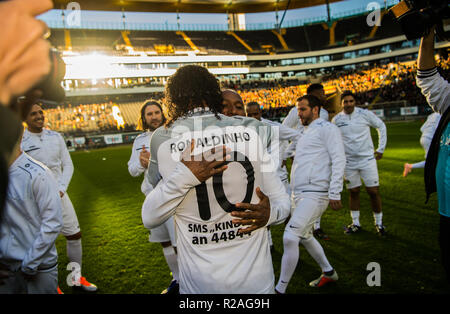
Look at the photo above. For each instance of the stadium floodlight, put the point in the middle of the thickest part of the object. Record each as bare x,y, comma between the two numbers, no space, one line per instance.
93,66
98,66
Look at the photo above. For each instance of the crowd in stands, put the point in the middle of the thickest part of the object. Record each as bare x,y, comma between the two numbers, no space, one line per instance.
384,83
83,118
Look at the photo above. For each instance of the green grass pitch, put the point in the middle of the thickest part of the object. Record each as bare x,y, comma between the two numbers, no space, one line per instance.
118,257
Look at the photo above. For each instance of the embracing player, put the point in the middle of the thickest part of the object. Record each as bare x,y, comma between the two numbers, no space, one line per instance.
207,195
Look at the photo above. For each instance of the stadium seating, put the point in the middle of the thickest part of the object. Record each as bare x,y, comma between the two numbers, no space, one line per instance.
299,39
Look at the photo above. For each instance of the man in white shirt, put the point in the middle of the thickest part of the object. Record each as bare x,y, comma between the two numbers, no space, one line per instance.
294,122
211,197
427,129
49,148
152,118
29,226
292,119
284,134
316,181
354,124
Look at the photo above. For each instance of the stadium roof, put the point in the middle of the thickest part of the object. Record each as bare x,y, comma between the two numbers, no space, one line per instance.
192,6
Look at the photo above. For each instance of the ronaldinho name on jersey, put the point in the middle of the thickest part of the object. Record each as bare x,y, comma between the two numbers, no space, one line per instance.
211,141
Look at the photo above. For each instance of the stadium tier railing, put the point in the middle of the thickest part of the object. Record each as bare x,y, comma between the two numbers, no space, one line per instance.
121,25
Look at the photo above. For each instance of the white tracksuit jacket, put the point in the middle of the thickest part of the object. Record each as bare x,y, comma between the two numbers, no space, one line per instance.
285,134
32,218
134,165
319,161
49,148
355,130
292,120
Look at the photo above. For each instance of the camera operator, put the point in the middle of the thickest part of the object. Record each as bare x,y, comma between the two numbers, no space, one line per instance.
437,166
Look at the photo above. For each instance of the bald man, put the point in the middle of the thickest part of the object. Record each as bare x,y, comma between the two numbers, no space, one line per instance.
232,103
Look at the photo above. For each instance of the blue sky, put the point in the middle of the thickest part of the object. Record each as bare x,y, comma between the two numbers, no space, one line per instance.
186,18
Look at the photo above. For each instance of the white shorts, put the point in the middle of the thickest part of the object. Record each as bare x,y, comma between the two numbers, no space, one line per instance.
308,208
368,174
70,220
164,232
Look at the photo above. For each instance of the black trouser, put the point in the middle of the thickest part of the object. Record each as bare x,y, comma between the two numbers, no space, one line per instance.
444,243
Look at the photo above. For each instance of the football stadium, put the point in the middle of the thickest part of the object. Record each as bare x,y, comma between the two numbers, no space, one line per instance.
118,55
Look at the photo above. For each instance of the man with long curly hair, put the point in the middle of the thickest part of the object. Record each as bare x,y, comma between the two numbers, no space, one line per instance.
212,174
151,118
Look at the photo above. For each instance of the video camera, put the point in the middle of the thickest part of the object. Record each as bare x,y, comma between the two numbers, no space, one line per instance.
417,17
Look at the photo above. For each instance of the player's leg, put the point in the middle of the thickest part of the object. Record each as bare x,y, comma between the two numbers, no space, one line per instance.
289,260
318,231
371,180
298,221
353,182
72,233
299,228
317,206
165,234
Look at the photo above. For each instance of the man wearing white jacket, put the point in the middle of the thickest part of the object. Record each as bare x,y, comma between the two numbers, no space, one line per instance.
316,181
151,118
354,124
29,226
50,148
292,121
284,134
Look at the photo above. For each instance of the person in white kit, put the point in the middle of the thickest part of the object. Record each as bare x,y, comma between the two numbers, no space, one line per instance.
294,122
49,148
234,106
316,181
152,118
427,129
29,226
284,134
354,124
211,197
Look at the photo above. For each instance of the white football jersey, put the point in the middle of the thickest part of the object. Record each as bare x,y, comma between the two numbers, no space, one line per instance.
49,148
355,130
284,134
212,257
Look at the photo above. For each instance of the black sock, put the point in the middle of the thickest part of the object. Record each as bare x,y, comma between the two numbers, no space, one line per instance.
329,273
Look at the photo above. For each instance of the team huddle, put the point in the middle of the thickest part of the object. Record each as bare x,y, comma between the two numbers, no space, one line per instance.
215,180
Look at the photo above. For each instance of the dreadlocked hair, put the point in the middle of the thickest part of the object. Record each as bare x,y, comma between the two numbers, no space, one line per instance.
192,86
